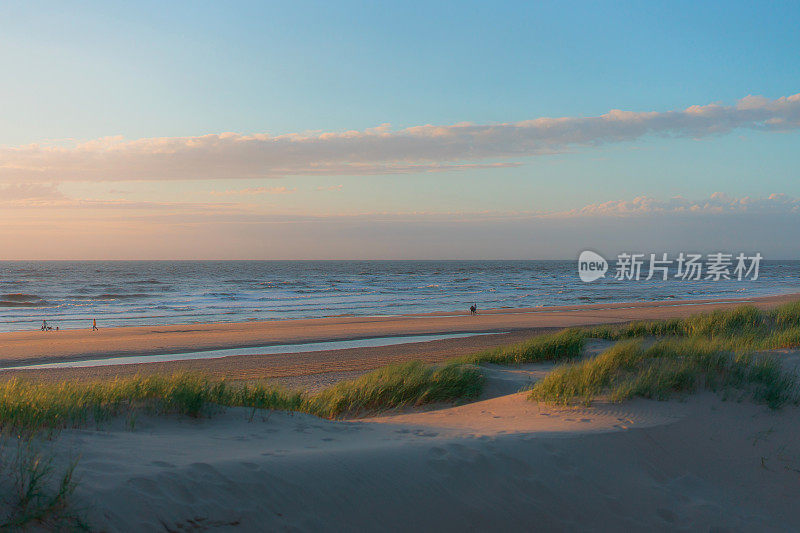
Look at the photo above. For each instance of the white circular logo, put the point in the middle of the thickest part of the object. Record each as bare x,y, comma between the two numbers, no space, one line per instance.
591,266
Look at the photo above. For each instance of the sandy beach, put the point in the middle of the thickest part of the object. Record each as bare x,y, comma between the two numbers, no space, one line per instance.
319,368
703,462
503,463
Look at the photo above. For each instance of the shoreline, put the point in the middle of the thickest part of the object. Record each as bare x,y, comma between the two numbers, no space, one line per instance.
509,325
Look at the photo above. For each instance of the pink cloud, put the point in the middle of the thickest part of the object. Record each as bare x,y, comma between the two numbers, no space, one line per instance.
30,191
381,150
255,191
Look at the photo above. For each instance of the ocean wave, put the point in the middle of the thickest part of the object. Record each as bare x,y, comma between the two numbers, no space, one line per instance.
12,303
21,297
112,296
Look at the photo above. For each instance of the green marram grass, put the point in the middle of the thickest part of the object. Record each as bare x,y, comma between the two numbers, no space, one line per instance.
741,328
407,384
721,350
30,405
566,344
36,492
667,367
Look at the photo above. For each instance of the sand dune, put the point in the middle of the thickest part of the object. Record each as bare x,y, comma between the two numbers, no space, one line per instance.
499,464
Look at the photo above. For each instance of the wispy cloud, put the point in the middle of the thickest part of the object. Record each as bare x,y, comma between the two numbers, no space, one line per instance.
331,188
642,207
381,150
716,203
251,191
30,191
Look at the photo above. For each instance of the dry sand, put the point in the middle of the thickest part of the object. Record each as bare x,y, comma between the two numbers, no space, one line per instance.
501,464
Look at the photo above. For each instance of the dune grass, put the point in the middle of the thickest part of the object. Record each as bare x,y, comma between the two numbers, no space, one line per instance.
741,328
407,384
667,367
36,492
742,320
33,406
565,344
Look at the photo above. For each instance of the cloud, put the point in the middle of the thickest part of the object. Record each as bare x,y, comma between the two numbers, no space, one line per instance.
716,203
331,188
719,203
380,150
30,192
255,191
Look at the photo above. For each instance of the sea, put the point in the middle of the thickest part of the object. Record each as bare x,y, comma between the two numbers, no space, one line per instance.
70,294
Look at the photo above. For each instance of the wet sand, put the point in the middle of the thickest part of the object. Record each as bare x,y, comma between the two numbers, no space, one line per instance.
315,369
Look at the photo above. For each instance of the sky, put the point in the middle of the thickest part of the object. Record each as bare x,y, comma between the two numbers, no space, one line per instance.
406,130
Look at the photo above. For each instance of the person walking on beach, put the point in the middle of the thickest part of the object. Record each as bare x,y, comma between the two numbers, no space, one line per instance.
94,324
44,325
473,309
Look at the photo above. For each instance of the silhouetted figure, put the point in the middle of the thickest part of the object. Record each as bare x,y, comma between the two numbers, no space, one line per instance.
473,309
44,325
94,324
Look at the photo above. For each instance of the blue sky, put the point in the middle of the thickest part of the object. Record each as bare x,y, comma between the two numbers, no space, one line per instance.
74,73
144,69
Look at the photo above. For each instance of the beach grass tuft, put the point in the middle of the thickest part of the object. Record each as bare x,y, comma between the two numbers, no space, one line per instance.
669,366
565,344
743,327
38,494
33,406
407,384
